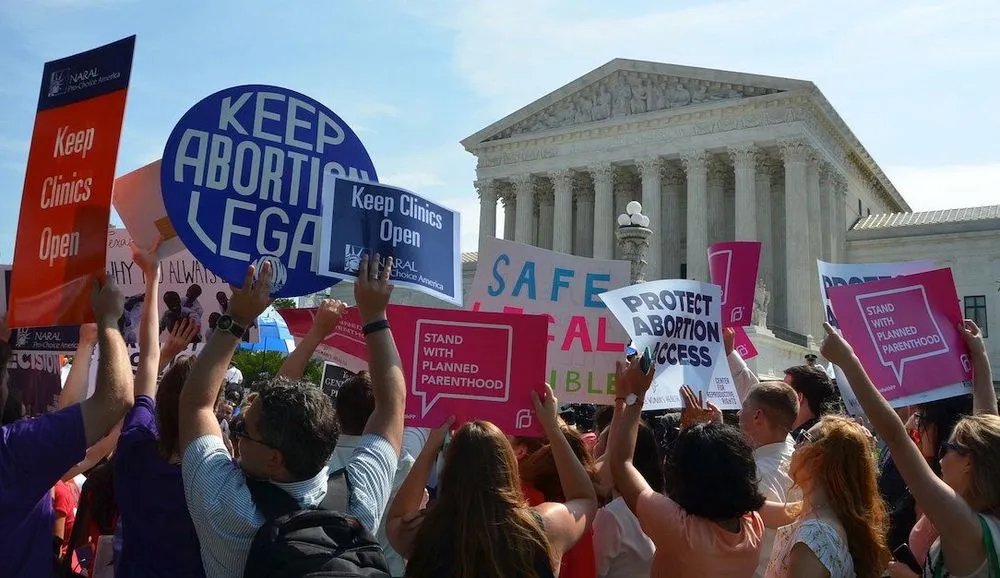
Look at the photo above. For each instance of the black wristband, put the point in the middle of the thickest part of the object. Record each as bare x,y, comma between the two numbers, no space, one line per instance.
374,326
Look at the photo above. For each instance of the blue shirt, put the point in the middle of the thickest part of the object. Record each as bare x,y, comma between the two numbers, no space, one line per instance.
226,519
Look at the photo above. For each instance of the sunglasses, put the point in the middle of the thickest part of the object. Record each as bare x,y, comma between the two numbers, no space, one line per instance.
948,446
803,437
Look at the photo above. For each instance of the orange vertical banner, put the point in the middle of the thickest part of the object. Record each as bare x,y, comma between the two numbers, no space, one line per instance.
62,232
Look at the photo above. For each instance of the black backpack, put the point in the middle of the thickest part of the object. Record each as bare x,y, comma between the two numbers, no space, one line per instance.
322,542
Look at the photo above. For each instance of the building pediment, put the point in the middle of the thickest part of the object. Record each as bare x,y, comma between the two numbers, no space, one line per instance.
625,89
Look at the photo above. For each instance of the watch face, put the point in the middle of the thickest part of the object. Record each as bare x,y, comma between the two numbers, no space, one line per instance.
631,398
224,323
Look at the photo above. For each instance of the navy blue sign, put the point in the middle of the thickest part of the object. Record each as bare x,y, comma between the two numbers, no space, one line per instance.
334,376
60,339
422,237
35,379
103,70
241,181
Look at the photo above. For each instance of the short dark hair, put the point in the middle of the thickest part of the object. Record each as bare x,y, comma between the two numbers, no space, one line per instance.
297,419
778,401
711,473
355,403
815,386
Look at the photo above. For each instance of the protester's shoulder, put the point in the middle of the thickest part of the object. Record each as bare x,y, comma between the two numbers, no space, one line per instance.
140,422
206,454
375,446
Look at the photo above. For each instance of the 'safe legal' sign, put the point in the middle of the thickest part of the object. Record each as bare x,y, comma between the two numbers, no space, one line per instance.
242,178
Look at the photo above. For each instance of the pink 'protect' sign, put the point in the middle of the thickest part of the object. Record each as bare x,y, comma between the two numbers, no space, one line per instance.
905,331
733,266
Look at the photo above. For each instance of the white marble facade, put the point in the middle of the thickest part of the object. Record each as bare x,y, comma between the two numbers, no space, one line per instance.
712,156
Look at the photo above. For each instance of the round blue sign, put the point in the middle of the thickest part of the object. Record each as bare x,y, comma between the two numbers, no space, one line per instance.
242,178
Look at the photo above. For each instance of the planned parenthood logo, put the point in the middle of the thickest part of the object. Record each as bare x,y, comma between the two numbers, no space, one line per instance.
352,257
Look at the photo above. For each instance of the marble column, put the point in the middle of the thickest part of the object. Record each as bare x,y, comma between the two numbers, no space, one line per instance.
509,215
487,190
534,221
650,169
672,221
562,221
779,310
696,166
716,200
826,217
546,229
584,221
765,232
604,217
745,168
798,268
525,197
816,307
838,225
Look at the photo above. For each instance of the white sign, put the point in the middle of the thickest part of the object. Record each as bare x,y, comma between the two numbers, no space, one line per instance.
680,322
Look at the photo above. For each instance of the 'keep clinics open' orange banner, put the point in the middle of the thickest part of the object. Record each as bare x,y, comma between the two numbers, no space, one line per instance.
65,208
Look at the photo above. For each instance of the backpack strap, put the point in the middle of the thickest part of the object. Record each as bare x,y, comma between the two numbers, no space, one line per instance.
271,501
338,492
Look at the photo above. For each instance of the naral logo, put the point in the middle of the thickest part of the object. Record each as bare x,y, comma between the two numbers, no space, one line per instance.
57,82
22,338
352,258
83,76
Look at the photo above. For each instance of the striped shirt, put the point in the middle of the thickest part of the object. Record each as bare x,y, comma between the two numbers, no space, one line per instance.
226,519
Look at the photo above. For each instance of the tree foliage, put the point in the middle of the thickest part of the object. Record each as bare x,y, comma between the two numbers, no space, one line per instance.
284,303
258,365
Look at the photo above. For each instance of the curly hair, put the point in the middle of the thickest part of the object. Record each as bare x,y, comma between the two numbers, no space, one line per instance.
711,473
298,419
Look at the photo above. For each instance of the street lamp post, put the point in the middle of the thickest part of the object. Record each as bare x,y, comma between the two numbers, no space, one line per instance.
633,236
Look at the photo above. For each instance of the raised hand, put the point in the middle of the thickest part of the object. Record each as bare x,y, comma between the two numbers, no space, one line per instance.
729,340
973,337
629,378
107,301
695,410
372,290
147,259
180,337
437,436
835,349
328,316
547,409
249,301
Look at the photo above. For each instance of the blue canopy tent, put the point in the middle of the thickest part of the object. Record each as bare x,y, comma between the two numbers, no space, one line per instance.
274,334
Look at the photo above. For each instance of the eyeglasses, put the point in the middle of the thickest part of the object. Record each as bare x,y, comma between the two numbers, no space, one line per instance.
240,431
803,437
948,446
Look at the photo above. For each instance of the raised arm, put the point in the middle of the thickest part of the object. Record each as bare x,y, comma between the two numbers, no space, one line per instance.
371,293
113,393
149,327
629,379
328,316
984,397
200,391
405,513
75,389
957,524
565,523
177,341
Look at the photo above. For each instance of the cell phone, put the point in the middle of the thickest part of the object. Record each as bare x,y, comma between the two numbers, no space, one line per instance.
645,361
905,556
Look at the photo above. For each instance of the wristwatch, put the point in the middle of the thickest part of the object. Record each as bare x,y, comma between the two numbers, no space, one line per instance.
229,326
630,399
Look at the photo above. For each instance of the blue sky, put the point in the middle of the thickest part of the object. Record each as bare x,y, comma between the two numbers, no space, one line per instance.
915,79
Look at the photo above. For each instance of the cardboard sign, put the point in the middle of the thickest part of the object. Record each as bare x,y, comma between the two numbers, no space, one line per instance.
241,178
733,267
584,341
904,331
345,347
35,379
472,365
842,274
187,291
60,339
334,376
680,322
66,203
743,345
422,237
139,203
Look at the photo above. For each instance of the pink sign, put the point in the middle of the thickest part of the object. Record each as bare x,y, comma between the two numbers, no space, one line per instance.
743,345
904,331
733,266
345,346
472,365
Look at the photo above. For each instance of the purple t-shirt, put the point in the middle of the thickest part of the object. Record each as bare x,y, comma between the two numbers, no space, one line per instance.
158,537
34,455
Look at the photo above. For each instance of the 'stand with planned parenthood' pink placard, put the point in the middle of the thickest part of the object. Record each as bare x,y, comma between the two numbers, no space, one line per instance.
905,331
733,266
472,365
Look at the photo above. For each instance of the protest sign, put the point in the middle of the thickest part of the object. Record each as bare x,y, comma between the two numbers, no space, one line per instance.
742,344
733,267
904,331
841,274
241,178
66,201
334,376
139,203
133,356
422,237
35,380
345,347
472,365
584,341
187,291
680,322
59,339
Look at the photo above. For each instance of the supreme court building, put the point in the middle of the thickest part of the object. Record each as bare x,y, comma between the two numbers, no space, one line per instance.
715,156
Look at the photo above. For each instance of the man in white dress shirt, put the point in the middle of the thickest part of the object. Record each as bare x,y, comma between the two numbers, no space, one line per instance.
767,418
